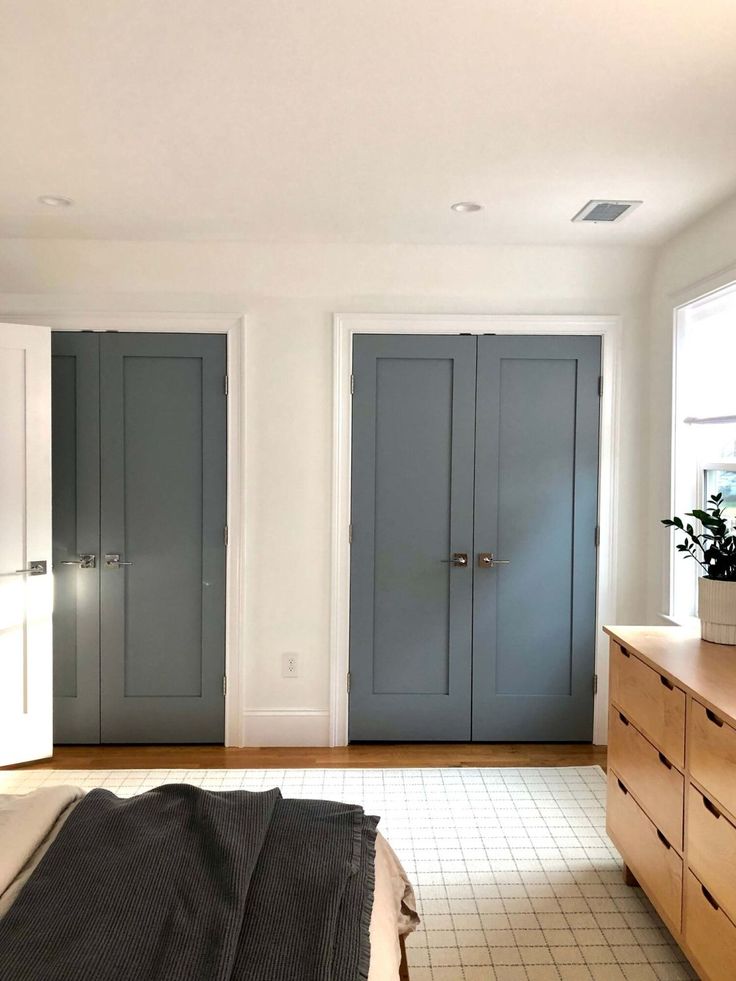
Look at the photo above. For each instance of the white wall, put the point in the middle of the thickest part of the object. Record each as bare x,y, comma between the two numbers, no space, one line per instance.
289,294
699,259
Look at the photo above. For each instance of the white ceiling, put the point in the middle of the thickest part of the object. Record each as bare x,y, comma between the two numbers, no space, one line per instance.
363,120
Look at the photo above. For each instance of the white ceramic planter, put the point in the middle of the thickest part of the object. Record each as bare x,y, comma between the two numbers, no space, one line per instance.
717,610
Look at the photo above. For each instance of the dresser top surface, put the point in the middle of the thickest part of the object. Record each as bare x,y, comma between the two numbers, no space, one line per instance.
707,671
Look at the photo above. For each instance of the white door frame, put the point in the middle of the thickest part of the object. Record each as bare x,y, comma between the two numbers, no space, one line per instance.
608,328
234,328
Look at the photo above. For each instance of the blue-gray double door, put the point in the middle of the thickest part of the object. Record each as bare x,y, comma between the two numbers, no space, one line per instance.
473,556
139,477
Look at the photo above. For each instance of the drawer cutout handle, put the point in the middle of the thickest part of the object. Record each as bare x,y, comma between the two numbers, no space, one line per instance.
710,899
664,761
711,807
624,652
621,786
666,682
712,717
623,718
662,838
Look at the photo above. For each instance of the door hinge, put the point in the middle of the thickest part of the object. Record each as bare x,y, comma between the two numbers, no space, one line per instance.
227,385
352,384
350,534
600,385
595,684
226,535
597,536
224,684
348,682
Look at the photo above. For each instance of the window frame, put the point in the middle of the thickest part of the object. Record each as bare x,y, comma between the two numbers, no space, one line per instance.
689,469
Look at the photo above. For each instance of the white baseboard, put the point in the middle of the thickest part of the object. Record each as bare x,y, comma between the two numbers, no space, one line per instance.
286,727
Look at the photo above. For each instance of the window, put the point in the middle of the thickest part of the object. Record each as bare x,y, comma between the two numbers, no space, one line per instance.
705,423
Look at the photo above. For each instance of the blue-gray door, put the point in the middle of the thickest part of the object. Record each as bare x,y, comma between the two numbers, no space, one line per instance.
486,447
412,508
158,468
536,502
75,439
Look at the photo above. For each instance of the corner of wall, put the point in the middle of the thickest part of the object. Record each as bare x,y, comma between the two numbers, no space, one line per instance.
696,260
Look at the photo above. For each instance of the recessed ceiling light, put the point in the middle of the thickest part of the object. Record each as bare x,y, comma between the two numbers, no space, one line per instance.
465,207
54,201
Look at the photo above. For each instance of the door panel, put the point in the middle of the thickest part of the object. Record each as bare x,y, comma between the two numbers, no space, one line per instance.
25,539
163,512
412,490
161,485
76,531
535,477
535,506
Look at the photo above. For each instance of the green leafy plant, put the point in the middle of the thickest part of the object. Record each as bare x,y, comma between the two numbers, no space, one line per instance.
714,547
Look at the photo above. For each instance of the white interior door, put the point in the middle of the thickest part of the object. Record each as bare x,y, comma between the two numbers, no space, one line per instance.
26,669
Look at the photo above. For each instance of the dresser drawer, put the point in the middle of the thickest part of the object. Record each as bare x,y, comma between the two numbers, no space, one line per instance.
650,701
648,774
711,849
712,754
709,933
654,862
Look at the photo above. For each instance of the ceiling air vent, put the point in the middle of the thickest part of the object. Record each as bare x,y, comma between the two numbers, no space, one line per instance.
609,211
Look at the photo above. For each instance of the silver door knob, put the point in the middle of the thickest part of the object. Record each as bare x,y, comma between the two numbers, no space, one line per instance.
112,560
459,560
487,560
85,561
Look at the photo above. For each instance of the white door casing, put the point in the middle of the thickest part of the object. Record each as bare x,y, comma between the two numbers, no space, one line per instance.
198,322
26,667
345,327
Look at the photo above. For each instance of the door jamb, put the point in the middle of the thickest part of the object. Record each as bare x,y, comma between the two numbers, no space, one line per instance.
608,328
233,326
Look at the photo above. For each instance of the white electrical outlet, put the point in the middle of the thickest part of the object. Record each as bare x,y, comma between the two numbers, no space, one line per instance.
290,665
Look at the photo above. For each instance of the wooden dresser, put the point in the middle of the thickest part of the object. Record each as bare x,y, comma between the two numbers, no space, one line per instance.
672,784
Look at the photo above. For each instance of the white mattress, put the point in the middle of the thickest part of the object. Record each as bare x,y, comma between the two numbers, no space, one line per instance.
30,822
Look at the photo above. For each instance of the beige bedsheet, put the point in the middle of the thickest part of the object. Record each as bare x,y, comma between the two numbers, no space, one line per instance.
28,825
394,913
30,822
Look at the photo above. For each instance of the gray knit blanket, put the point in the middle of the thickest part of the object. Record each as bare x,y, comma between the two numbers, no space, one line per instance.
180,883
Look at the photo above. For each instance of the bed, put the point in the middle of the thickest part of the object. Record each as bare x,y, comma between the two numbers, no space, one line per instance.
253,878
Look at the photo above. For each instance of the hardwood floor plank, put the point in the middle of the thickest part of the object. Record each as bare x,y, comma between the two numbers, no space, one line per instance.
365,755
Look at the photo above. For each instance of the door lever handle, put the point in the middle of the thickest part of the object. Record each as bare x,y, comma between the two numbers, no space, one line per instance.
112,560
85,561
487,560
459,560
34,569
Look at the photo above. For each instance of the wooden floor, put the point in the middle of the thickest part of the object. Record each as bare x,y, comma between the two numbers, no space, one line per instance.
369,755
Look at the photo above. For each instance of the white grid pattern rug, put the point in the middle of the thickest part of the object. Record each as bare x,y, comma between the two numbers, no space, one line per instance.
515,877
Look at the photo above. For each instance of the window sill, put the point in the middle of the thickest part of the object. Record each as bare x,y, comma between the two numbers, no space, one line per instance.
692,623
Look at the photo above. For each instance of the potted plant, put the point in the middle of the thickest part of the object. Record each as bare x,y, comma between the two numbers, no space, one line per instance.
714,549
